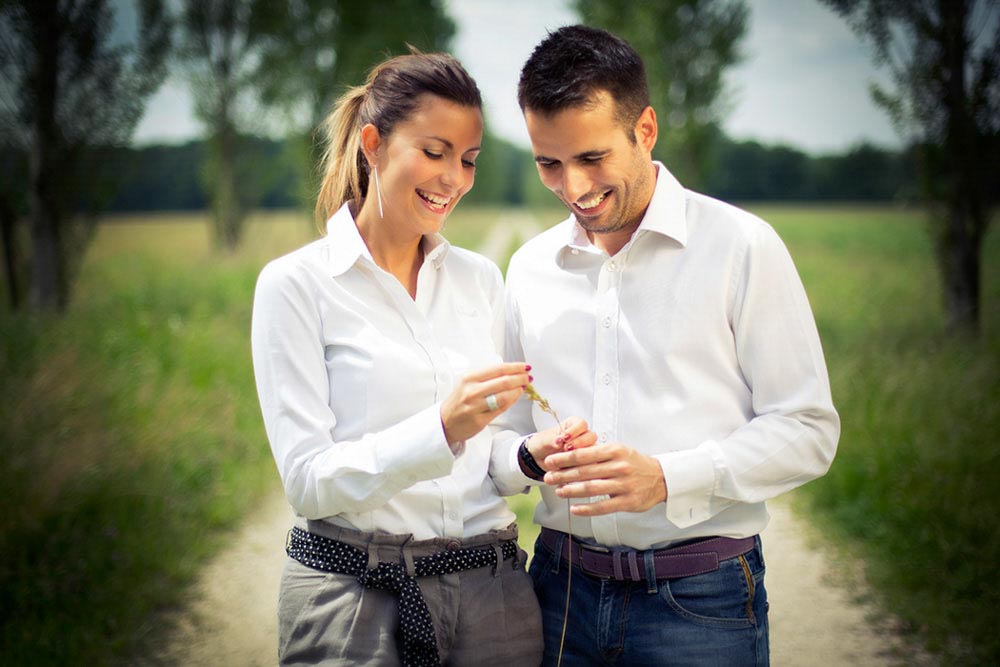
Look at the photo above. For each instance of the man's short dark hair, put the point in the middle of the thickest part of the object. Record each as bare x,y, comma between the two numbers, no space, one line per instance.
573,64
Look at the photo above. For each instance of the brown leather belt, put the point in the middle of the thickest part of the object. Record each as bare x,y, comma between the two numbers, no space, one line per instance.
629,565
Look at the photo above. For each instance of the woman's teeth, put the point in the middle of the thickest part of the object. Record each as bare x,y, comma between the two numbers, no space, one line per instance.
436,200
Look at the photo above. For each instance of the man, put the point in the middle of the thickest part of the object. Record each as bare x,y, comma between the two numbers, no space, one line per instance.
678,327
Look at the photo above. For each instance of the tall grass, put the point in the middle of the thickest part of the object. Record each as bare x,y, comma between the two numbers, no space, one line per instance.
131,438
915,487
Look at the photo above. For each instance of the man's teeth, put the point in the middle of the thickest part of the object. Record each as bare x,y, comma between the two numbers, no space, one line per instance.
434,199
591,203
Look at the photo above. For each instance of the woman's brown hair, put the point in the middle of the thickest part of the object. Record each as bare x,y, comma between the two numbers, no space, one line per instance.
388,96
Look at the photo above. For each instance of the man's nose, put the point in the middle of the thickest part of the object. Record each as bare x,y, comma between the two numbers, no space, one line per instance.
575,183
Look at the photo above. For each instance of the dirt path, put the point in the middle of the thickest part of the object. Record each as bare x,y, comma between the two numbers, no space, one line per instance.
814,621
231,620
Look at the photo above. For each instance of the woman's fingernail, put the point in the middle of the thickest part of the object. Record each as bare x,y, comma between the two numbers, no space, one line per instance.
569,448
527,367
530,378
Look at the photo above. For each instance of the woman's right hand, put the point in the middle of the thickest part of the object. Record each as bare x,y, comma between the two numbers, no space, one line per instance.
467,411
572,433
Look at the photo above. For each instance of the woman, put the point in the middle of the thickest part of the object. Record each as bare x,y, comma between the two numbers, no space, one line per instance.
378,370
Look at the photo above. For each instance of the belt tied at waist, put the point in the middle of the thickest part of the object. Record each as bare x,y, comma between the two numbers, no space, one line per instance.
416,626
684,560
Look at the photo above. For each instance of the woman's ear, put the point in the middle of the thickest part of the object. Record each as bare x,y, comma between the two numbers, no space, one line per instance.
371,140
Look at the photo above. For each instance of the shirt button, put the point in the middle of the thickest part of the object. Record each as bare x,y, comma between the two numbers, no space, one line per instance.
575,251
611,266
607,378
606,322
604,437
453,545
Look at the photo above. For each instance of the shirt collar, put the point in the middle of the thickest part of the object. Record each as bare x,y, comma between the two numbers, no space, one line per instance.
665,214
346,246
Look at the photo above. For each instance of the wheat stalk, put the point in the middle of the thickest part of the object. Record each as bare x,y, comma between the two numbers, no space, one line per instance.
543,404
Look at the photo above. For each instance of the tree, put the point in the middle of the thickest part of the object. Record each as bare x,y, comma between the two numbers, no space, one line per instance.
69,90
315,49
220,49
686,46
944,57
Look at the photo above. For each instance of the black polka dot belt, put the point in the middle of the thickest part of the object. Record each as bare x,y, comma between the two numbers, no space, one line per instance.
419,646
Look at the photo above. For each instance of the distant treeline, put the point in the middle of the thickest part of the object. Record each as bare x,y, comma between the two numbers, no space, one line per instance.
168,177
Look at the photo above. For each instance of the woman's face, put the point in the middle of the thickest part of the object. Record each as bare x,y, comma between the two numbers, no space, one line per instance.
425,165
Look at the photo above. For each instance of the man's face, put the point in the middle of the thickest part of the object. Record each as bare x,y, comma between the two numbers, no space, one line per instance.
586,158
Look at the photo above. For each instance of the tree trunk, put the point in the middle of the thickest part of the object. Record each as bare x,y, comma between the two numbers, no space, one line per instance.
966,220
8,228
47,290
225,198
961,257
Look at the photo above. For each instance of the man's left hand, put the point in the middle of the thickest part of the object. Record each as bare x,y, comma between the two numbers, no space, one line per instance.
633,481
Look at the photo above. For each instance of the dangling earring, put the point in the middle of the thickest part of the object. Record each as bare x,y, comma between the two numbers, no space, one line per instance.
378,191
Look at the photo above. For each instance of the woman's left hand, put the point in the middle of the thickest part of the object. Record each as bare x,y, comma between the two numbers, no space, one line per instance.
572,433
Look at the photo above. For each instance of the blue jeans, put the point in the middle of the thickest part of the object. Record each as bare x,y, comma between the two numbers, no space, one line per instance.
717,619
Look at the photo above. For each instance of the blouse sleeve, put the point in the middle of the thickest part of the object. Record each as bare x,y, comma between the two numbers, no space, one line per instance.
322,476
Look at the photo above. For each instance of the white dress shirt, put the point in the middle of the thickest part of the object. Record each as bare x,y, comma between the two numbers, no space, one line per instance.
351,373
694,344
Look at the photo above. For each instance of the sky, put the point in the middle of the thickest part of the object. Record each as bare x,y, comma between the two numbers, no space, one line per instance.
804,80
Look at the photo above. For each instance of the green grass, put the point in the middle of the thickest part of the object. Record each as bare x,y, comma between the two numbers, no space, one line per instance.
131,438
914,487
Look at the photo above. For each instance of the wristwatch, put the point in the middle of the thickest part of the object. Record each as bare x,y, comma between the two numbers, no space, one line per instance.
529,465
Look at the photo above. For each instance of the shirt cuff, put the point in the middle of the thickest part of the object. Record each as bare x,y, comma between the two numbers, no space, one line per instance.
417,448
516,462
690,480
511,479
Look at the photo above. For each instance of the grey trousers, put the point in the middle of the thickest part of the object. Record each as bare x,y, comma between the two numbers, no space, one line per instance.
481,617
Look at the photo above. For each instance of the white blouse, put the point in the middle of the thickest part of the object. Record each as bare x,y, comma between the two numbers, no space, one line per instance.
351,373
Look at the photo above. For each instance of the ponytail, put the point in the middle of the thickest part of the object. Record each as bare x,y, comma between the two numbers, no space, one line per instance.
345,169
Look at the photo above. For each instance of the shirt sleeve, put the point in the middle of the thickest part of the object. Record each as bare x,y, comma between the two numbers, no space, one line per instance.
321,476
509,429
792,436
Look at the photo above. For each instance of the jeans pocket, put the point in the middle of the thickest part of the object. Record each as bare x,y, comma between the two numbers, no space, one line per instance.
723,598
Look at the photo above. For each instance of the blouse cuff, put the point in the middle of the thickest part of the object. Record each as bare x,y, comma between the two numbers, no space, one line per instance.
417,448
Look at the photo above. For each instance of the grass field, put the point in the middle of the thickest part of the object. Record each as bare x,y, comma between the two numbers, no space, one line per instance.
131,438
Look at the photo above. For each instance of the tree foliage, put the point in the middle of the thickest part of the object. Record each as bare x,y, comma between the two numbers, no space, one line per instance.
252,58
69,92
220,47
313,50
319,47
944,57
686,46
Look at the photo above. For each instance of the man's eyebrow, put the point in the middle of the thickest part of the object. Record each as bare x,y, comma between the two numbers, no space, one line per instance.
590,155
586,155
